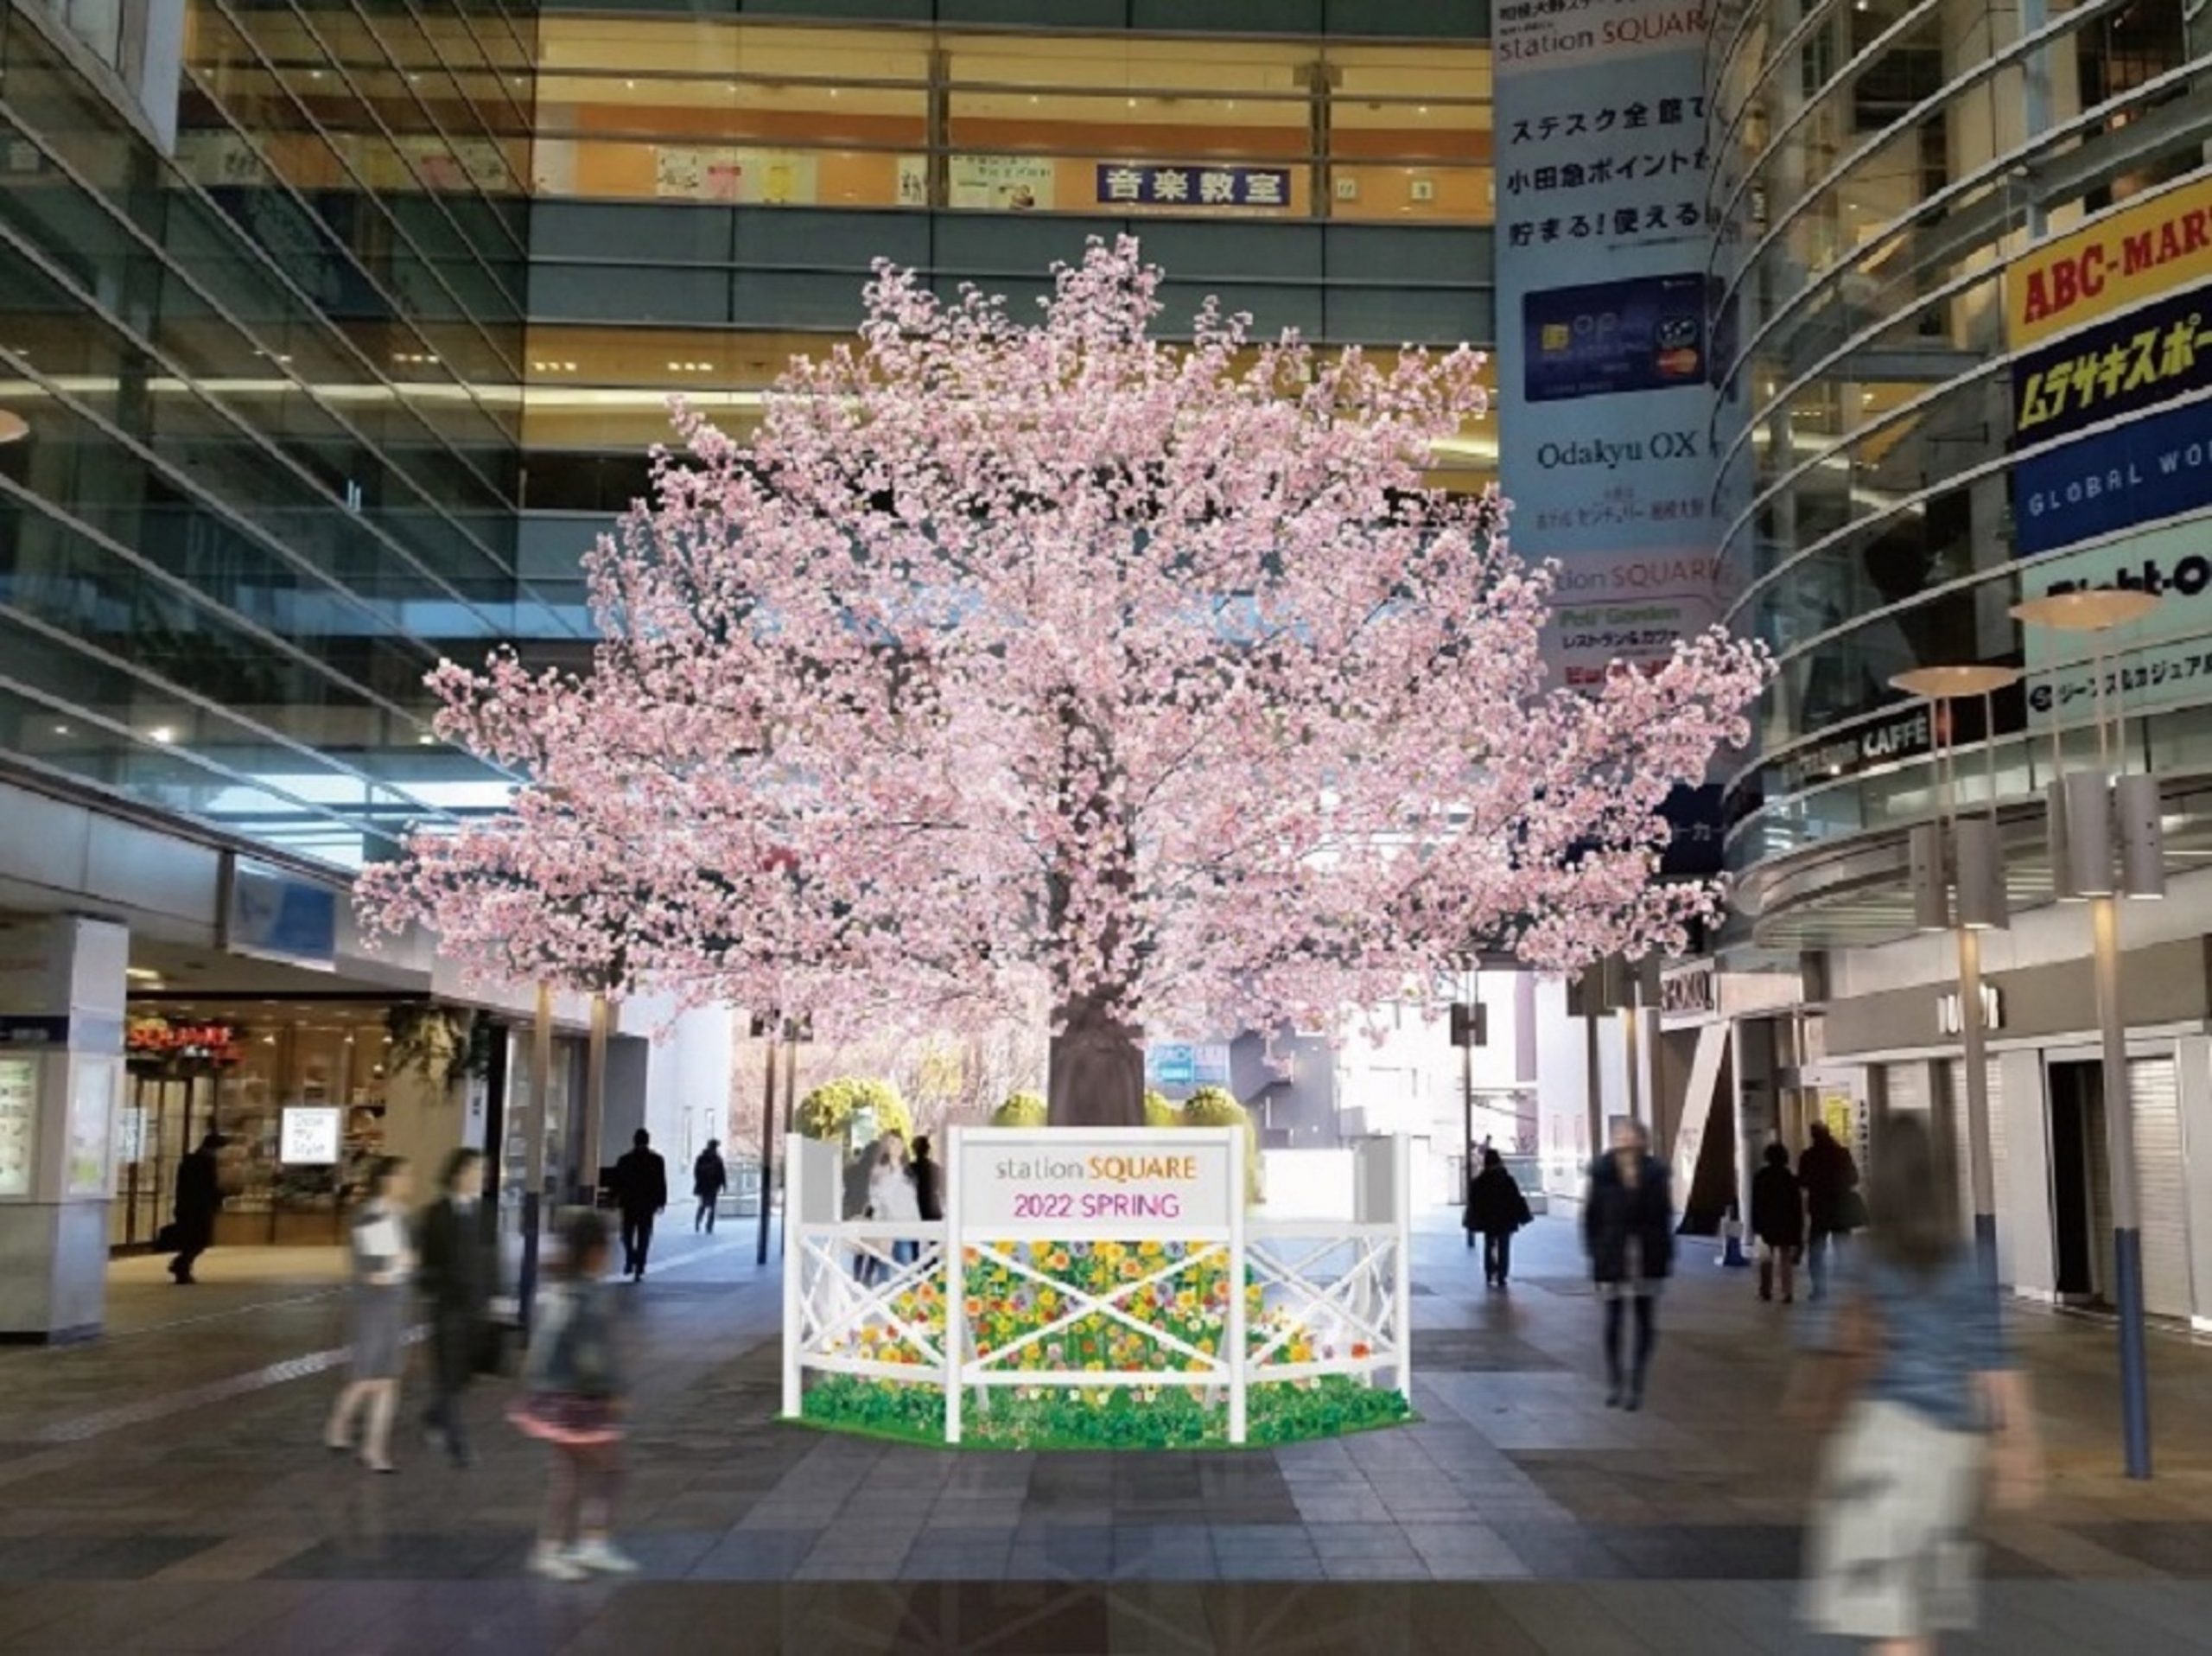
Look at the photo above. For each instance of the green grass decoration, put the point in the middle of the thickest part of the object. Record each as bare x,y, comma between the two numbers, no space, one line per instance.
1277,1411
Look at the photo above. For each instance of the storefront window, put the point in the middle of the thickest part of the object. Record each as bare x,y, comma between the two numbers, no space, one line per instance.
248,1070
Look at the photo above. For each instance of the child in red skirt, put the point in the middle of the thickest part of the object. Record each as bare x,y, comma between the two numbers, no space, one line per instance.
573,1401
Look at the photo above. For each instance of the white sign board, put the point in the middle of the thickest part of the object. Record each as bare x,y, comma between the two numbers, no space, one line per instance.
1116,1183
92,1122
311,1136
18,1124
2164,660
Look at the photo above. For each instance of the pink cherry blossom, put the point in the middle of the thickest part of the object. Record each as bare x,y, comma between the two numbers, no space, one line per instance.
1016,671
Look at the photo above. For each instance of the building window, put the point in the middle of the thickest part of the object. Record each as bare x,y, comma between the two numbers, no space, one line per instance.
722,111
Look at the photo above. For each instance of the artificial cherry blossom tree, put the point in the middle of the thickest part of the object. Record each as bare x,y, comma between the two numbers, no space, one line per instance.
1053,670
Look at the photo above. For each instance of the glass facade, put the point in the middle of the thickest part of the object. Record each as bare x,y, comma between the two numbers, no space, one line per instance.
1882,170
334,334
268,475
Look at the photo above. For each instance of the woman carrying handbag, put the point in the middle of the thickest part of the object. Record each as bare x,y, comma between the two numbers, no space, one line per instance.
1930,1415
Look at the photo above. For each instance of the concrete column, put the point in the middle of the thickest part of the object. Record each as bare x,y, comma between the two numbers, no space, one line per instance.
2193,1058
62,1006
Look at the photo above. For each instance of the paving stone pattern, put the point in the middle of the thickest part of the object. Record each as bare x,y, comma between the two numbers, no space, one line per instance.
165,1489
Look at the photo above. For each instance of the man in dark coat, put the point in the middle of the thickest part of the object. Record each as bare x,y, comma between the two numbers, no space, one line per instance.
1830,1178
1778,1223
641,1192
1628,1228
457,1270
929,1197
709,1178
198,1199
1496,1208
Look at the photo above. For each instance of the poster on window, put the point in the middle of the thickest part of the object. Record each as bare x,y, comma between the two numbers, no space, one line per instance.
18,1124
91,1126
913,181
1000,183
310,1136
754,177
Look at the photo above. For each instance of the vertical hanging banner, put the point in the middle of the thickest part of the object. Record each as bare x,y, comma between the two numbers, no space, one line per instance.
1606,364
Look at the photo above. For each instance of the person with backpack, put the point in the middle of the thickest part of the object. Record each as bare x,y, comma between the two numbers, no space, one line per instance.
573,1403
1778,1223
709,1178
1833,1207
1496,1208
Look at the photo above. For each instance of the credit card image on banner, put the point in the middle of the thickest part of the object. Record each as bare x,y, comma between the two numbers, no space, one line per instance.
1645,333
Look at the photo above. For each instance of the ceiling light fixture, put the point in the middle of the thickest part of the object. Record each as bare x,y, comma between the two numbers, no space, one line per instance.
162,734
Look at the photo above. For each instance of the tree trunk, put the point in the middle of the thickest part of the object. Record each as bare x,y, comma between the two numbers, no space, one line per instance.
1096,1070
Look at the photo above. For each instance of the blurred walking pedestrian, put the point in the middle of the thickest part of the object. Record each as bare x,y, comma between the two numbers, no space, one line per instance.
1496,1208
457,1269
198,1199
641,1192
1628,1228
709,1178
1833,1207
383,1264
1933,1414
573,1403
1778,1223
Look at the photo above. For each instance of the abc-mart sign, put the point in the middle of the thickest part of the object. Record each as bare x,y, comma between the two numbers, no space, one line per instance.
2164,660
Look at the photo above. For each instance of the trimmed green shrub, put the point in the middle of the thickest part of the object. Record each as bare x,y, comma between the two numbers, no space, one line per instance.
828,1111
1280,1411
1021,1110
1161,1111
1213,1106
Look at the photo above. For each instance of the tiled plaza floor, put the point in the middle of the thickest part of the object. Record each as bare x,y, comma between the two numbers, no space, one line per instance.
164,1490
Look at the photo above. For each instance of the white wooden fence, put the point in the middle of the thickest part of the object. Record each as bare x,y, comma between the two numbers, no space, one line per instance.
1335,1296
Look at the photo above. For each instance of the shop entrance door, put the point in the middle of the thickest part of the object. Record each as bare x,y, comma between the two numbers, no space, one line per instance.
2080,1199
164,1117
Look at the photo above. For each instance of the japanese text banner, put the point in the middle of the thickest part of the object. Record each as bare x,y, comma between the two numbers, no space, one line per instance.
1605,371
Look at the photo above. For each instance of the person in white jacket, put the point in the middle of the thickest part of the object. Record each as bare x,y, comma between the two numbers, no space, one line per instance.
891,1198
